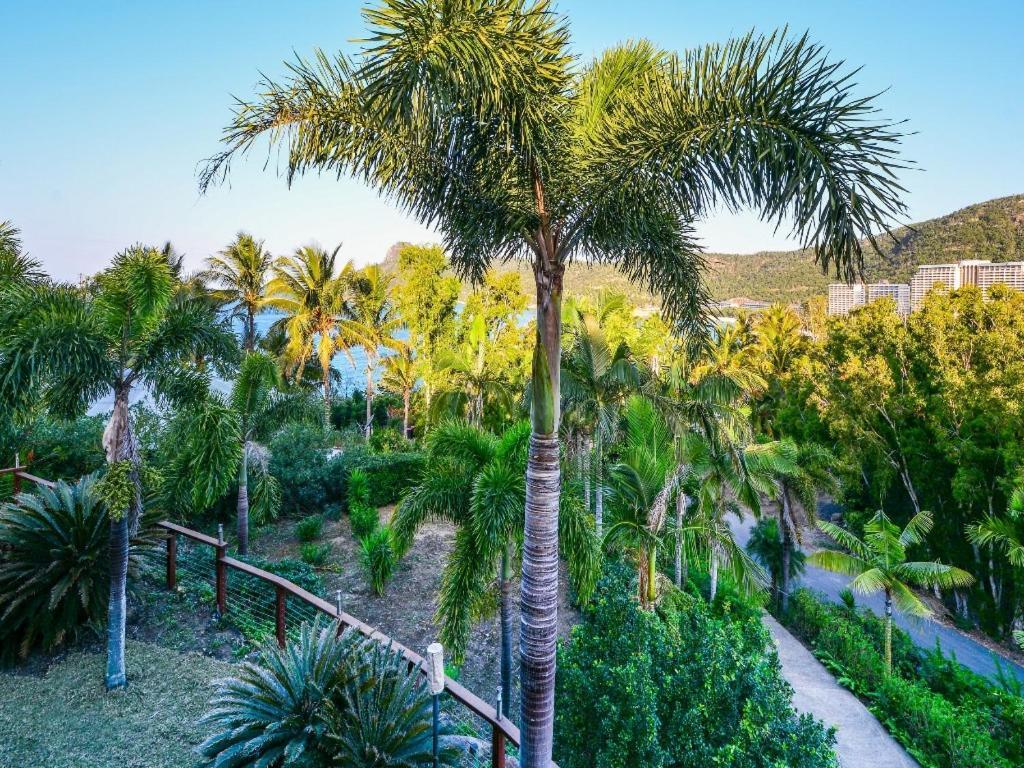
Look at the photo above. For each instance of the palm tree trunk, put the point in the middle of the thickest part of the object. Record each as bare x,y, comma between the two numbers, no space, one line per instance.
652,575
325,382
888,631
369,401
406,397
586,472
249,343
787,560
506,630
243,502
714,576
598,489
680,515
539,589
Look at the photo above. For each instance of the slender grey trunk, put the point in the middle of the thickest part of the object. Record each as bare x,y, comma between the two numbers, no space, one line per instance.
680,515
505,579
406,397
243,502
539,589
714,576
888,631
369,401
787,561
586,472
325,382
598,488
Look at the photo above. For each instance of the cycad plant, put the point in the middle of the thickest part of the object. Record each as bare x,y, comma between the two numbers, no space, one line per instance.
477,117
67,347
240,273
55,570
878,563
474,480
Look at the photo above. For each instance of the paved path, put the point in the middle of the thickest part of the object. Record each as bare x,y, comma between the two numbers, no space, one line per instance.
968,651
861,741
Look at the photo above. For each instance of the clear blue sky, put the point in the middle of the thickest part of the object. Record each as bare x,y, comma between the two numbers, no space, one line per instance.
109,106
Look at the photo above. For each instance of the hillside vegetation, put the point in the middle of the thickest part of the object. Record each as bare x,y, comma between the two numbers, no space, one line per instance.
991,230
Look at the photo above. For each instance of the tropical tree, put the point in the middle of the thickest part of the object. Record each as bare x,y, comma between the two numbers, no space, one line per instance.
240,273
477,118
372,323
765,546
69,347
308,288
1004,533
474,387
777,348
878,563
400,377
475,480
595,380
16,267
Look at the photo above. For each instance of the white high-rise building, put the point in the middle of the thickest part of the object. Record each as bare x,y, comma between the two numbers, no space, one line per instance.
981,273
930,275
843,297
898,292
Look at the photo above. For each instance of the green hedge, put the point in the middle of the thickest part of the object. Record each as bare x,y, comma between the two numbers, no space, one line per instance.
944,714
389,474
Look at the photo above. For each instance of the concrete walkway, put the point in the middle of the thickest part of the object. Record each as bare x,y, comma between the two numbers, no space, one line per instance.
861,741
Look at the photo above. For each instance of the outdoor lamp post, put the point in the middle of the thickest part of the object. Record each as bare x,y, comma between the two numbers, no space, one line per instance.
435,677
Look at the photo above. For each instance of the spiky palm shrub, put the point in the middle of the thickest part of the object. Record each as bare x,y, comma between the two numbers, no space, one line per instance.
322,700
55,574
379,557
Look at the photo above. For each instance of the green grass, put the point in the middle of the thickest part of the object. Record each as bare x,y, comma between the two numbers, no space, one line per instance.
65,718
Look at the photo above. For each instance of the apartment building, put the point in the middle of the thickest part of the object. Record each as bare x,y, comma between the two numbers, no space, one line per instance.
983,274
844,297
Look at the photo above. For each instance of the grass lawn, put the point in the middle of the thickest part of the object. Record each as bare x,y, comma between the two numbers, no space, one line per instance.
64,717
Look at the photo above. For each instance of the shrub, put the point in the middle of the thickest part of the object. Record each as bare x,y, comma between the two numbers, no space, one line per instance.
358,488
309,528
365,520
315,554
320,696
680,687
54,578
387,440
389,475
379,558
57,450
298,462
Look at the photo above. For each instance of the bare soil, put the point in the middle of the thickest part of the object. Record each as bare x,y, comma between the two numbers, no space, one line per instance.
406,610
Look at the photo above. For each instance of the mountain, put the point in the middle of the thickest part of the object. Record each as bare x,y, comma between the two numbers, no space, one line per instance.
991,230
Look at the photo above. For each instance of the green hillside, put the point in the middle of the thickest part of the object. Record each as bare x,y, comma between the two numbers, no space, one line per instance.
991,230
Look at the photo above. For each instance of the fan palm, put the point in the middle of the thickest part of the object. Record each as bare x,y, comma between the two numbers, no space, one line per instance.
878,563
474,480
1006,533
308,288
240,273
372,323
69,347
595,380
477,118
400,376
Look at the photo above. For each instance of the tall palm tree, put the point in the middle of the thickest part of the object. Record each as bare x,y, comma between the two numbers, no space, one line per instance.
240,273
478,118
778,344
311,292
474,389
69,347
475,480
1005,533
795,492
372,323
878,563
595,380
16,267
642,483
400,377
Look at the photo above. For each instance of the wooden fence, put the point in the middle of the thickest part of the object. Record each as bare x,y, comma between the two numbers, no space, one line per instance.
504,733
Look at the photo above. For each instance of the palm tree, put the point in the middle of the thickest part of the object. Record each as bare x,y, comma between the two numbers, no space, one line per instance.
69,347
595,380
474,388
1004,533
878,563
240,273
372,323
642,482
475,480
16,267
778,344
310,291
400,377
765,546
796,491
477,118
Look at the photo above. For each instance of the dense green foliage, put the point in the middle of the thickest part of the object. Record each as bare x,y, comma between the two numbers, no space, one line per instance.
323,700
945,715
309,528
55,566
389,475
676,687
298,458
378,555
54,448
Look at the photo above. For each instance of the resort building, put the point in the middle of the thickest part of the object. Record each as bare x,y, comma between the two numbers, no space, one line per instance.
983,274
843,297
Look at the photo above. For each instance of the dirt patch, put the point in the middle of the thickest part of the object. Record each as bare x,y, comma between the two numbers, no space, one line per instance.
406,610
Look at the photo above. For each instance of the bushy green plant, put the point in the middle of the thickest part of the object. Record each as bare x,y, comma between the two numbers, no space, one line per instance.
318,699
364,519
358,488
387,440
678,687
55,572
309,528
55,449
315,553
298,461
390,475
379,558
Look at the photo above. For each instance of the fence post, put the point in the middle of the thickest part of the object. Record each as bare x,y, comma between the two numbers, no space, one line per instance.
280,616
497,735
172,560
222,572
15,478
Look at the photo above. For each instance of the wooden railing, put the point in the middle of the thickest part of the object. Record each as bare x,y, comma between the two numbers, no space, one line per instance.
503,731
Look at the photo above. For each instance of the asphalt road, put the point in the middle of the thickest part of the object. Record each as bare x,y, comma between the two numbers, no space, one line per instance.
924,632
